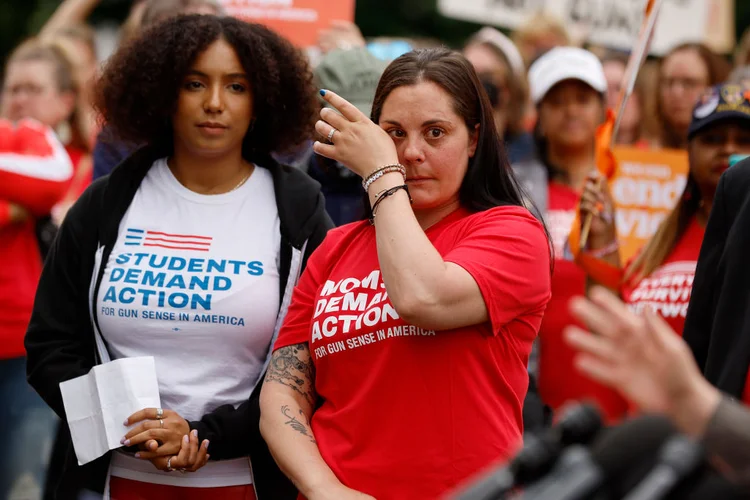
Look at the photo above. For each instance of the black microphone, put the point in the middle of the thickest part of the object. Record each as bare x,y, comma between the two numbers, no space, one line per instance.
580,473
579,424
678,458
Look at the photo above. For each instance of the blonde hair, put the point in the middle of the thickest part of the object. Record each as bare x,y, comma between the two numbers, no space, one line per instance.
64,75
540,25
667,235
742,50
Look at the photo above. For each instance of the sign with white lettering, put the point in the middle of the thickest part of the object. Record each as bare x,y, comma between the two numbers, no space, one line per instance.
611,23
645,188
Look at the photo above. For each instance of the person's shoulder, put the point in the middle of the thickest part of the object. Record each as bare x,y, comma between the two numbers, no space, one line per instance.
739,173
292,178
340,240
347,232
505,216
736,184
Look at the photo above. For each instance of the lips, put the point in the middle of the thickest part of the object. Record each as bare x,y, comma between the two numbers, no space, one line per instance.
721,168
212,125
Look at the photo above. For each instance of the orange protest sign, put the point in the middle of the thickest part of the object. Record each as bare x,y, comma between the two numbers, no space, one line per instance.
645,188
297,20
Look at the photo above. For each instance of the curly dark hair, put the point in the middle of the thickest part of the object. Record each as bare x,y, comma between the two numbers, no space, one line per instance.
137,92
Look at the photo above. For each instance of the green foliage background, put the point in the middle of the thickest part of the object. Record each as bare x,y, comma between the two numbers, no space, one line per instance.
22,18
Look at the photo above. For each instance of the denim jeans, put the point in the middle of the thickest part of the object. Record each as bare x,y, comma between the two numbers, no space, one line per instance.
29,427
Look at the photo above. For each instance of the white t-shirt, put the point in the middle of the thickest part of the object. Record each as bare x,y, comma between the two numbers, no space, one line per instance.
193,280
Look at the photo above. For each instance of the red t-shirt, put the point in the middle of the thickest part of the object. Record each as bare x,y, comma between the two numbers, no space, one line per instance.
35,172
667,290
409,413
560,382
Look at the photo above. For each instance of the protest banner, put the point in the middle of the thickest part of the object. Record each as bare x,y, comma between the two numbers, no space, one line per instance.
297,20
644,189
611,23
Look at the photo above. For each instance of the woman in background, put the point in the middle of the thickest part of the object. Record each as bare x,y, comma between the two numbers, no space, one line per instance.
569,88
501,69
660,277
684,74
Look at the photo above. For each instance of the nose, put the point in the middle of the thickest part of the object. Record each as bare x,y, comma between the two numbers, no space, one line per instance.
214,102
730,145
413,151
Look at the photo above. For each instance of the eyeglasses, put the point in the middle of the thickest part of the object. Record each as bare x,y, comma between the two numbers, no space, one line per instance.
684,83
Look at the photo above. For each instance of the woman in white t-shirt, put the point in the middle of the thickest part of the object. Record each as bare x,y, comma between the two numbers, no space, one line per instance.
187,252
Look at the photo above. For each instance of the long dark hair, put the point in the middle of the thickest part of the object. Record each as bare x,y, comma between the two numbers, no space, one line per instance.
489,181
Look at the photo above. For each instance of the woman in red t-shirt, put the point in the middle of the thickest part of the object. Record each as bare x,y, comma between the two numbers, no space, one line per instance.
660,277
400,370
568,86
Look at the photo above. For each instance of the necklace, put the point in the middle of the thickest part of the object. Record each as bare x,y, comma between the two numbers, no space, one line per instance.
239,185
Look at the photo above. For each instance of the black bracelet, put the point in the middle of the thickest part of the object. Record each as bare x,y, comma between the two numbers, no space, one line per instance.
385,194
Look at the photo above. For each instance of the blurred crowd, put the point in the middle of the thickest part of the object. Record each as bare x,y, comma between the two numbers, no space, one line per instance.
548,97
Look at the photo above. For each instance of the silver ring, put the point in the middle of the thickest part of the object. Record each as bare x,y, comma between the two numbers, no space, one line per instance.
161,423
159,413
169,464
330,135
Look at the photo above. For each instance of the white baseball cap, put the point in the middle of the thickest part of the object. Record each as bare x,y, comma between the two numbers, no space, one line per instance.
565,63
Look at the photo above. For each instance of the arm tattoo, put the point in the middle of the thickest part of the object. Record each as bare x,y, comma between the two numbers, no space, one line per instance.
302,426
292,366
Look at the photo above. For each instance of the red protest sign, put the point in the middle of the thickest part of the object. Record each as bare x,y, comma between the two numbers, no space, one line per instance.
297,20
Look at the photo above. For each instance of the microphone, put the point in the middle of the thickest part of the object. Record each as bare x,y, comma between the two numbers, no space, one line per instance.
578,424
579,474
678,458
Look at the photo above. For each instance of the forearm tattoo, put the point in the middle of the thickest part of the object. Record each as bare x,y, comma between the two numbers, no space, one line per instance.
292,366
302,425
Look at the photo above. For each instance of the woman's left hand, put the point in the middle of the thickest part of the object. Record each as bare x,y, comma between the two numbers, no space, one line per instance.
159,436
191,457
357,142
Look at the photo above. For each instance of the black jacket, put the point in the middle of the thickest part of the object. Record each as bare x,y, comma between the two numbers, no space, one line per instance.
717,326
60,340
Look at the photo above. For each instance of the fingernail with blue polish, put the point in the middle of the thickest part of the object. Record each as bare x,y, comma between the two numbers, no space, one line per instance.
126,442
322,92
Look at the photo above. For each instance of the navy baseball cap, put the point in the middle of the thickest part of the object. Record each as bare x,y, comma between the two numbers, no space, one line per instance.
723,102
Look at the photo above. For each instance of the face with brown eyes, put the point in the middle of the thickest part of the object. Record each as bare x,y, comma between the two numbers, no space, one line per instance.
215,103
432,141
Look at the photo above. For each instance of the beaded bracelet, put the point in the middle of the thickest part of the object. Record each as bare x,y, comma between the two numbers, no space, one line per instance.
385,194
380,172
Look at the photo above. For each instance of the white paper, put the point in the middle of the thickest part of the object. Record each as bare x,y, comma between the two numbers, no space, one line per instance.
97,404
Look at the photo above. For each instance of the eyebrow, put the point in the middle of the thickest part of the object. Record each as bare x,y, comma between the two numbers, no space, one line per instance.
195,72
425,124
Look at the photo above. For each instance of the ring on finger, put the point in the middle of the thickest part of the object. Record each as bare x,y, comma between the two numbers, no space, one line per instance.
330,135
159,413
169,464
161,423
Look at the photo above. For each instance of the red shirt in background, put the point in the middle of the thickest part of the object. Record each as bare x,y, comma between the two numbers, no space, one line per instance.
35,172
667,290
559,381
409,413
83,173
